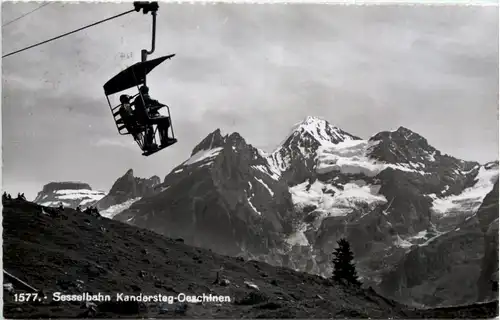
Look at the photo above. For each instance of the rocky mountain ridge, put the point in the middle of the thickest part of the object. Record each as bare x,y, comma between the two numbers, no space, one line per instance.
222,189
392,196
69,194
125,191
385,194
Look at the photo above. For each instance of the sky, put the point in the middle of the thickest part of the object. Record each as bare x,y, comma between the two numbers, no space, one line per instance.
251,68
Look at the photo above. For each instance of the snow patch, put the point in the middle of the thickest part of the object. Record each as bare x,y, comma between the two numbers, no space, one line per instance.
333,201
266,186
298,237
54,204
402,243
76,194
249,199
270,170
422,238
421,235
429,241
430,156
85,201
202,155
352,157
278,162
446,188
117,208
262,153
253,207
470,199
206,164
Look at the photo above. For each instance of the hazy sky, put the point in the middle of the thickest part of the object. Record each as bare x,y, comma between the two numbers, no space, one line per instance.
254,69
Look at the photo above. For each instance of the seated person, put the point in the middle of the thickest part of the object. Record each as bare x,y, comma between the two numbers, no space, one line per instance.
128,116
147,111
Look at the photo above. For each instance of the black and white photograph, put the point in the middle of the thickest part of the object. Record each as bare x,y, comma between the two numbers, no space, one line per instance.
250,160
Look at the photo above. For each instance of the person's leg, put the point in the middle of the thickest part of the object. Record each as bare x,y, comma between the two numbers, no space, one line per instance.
148,137
166,126
163,127
163,123
151,135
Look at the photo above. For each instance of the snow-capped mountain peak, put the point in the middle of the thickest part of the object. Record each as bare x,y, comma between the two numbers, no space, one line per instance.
301,147
321,131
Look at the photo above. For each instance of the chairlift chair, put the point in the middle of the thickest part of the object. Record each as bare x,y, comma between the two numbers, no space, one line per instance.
135,76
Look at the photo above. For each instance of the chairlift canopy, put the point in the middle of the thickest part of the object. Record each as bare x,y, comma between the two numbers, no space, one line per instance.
133,75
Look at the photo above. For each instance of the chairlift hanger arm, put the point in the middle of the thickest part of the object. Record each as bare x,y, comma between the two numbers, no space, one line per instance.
146,8
153,34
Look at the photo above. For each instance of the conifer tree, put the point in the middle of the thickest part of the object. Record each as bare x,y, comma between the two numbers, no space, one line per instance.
343,264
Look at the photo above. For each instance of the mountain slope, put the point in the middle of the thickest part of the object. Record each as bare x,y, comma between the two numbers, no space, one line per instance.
219,198
451,267
488,221
73,253
69,194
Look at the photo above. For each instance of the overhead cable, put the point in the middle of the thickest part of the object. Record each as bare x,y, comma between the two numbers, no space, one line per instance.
68,33
27,13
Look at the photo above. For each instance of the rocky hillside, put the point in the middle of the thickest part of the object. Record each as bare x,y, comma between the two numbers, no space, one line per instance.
125,191
69,194
73,253
387,194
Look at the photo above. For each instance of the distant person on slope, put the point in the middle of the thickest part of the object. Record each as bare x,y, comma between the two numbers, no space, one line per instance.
147,111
